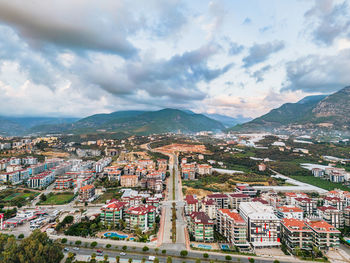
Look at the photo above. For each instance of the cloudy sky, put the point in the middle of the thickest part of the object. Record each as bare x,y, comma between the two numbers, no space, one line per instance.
77,58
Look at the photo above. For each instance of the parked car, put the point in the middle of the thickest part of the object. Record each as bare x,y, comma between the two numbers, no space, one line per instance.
75,248
122,253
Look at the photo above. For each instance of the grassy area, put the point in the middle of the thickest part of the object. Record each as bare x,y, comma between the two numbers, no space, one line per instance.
226,182
324,184
16,197
58,199
108,195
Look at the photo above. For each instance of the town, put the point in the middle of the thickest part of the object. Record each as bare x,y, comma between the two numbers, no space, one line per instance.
150,192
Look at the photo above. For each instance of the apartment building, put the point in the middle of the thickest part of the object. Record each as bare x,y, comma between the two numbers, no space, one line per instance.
290,197
204,169
221,200
246,189
231,225
112,212
208,206
129,180
142,217
347,216
201,227
324,235
188,171
296,234
306,204
289,211
41,180
191,204
64,182
331,215
237,198
263,224
86,193
334,201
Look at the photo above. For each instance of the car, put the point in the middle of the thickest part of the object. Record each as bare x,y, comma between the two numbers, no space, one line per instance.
122,253
66,249
75,248
100,254
99,251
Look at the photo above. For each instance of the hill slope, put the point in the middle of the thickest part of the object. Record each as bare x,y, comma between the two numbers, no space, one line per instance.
12,126
300,112
137,122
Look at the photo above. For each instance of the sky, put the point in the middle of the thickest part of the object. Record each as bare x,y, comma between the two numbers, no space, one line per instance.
82,57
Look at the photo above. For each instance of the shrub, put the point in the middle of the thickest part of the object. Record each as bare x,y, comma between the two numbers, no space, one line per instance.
198,260
183,253
78,242
169,260
145,248
205,255
108,246
228,257
163,251
20,236
276,261
124,247
251,260
64,240
93,244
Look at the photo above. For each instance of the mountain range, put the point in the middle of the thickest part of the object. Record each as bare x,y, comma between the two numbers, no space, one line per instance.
128,122
320,112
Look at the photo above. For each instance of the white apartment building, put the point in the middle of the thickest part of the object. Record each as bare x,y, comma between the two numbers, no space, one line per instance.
263,224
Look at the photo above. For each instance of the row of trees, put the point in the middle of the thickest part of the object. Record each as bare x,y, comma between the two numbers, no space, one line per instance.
37,248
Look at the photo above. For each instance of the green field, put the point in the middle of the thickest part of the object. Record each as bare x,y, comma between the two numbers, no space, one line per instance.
16,197
324,184
10,197
108,195
58,199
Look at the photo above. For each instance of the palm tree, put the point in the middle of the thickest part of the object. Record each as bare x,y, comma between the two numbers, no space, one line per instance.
130,260
105,258
117,259
93,256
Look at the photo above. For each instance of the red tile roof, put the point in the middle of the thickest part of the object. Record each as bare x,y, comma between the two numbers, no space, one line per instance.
286,209
295,224
322,226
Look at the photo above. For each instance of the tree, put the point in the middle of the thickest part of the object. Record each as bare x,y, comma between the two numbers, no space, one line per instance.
183,253
64,240
20,236
205,255
198,260
145,248
37,248
251,260
276,261
124,248
93,244
228,257
108,246
156,250
78,242
70,255
43,198
164,251
169,260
